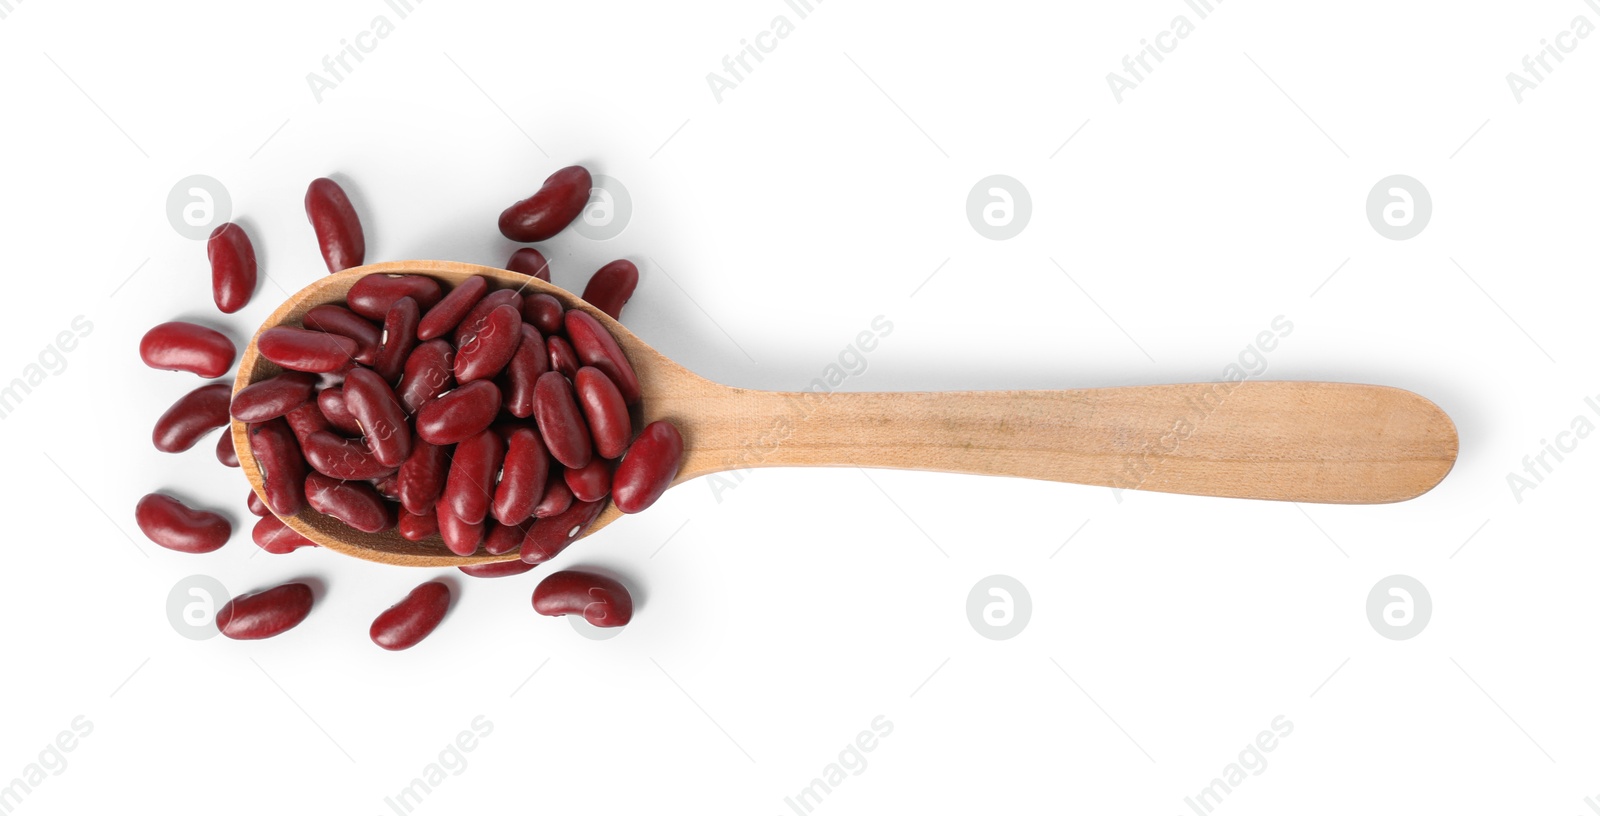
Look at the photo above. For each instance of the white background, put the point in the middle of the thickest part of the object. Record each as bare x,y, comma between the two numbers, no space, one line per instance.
825,189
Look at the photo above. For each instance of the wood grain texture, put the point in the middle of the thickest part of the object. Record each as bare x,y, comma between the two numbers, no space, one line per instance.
1290,441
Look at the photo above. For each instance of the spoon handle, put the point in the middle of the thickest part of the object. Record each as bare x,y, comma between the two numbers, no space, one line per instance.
1290,441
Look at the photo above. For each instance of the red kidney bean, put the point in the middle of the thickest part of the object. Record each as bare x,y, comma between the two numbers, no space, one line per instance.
233,267
272,397
335,319
373,404
257,507
283,468
194,415
452,308
341,458
418,526
272,535
544,312
487,351
649,468
306,350
225,452
307,420
498,569
611,287
458,414
257,615
338,227
530,261
559,200
469,488
180,346
354,503
604,408
177,526
372,296
429,372
460,537
476,318
522,477
548,537
600,600
336,412
422,476
528,362
399,338
591,482
557,496
562,357
505,538
388,485
560,423
415,617
596,347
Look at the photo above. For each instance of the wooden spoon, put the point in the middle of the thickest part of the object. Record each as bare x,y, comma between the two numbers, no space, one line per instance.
1290,441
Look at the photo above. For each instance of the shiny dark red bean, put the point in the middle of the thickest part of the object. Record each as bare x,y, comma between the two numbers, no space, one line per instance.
469,488
233,267
522,477
429,372
388,485
177,526
417,526
272,397
505,538
548,537
605,411
194,415
544,312
399,338
354,503
562,357
557,496
540,216
372,402
460,537
475,319
225,451
595,346
307,420
649,468
452,308
306,350
600,600
591,482
257,615
338,227
180,346
458,414
415,617
272,535
562,426
283,468
341,458
256,505
611,287
336,412
487,351
530,261
422,476
372,296
530,360
498,569
335,319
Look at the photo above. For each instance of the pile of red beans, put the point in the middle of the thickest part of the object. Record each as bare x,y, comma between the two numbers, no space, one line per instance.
486,420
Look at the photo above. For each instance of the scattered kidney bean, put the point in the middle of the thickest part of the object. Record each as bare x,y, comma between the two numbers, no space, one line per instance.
591,482
225,452
372,296
544,312
305,350
272,397
272,535
257,615
528,362
283,468
469,488
522,477
487,351
562,357
418,526
256,506
194,415
354,503
429,372
459,536
565,434
399,338
600,600
498,569
415,617
307,420
336,224
611,287
341,458
559,200
530,261
595,346
335,319
180,346
603,406
649,467
177,526
458,414
233,267
557,496
374,406
475,319
452,308
422,476
505,538
336,412
548,537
